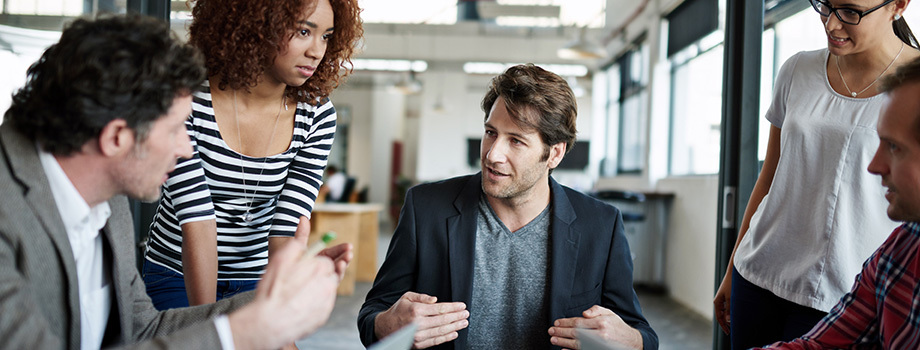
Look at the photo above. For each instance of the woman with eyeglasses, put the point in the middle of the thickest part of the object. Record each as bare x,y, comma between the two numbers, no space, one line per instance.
815,213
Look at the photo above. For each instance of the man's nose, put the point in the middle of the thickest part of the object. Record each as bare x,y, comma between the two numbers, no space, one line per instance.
497,152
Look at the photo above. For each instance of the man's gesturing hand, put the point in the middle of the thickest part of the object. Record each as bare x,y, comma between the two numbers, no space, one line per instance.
437,322
604,322
341,254
293,299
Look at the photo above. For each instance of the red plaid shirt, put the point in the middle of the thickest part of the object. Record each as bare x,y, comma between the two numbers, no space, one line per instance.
883,308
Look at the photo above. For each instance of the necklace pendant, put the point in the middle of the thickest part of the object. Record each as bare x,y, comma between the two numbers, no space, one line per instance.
854,94
247,217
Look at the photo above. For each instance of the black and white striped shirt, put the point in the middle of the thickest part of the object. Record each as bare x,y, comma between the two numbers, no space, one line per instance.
210,186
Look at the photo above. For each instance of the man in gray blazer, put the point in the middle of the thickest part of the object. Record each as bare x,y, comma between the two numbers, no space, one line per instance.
508,258
102,116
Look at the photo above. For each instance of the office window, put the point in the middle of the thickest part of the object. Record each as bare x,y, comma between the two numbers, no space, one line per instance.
27,28
768,69
627,99
695,54
801,31
696,111
691,21
633,99
631,134
612,116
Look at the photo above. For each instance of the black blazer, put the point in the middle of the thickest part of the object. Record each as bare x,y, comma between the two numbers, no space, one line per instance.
432,253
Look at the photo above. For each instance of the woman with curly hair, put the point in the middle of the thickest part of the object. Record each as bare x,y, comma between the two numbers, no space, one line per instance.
262,126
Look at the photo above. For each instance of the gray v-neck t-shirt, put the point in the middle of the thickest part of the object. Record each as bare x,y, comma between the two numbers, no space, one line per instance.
508,309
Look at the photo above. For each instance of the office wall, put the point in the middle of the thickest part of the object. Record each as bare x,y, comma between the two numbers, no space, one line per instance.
691,240
441,151
389,111
358,159
376,121
691,235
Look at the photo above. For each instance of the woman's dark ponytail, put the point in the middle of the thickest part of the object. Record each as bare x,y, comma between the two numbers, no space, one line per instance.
903,32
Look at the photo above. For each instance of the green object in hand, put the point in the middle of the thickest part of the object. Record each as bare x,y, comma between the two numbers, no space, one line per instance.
318,246
328,237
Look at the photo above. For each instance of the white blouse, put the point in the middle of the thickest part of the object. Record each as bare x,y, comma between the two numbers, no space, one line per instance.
825,213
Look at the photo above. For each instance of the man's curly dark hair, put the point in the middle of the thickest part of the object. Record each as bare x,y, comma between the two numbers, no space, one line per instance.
241,38
114,67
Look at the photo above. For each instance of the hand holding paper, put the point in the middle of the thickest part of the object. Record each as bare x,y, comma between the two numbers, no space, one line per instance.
606,324
437,322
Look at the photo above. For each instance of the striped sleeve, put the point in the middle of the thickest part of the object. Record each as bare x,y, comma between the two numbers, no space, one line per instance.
306,172
188,187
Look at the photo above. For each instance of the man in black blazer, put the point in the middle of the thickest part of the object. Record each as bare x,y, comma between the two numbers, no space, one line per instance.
508,258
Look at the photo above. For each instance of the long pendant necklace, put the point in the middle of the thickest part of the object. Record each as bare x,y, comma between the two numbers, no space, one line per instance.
247,216
853,93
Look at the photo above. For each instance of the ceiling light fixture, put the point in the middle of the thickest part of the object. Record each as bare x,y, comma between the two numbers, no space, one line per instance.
439,106
493,68
390,65
407,85
581,48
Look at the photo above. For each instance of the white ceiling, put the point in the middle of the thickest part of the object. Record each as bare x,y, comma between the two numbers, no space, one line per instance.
467,41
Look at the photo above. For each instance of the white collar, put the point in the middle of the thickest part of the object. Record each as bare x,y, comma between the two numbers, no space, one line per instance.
74,211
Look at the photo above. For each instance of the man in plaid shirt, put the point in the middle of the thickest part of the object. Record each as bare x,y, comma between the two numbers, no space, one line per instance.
883,308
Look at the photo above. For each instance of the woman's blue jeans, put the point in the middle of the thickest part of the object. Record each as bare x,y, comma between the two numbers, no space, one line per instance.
166,287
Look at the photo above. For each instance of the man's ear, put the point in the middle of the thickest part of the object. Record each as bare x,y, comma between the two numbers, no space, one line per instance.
116,138
556,152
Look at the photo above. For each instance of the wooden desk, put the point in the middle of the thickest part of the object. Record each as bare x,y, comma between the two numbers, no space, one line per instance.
356,224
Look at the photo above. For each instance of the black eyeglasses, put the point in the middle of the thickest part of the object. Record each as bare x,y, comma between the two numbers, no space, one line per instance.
844,14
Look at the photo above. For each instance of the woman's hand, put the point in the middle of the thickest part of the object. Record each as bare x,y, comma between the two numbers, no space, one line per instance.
722,302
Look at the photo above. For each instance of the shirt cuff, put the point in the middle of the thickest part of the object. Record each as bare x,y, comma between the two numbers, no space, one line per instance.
224,332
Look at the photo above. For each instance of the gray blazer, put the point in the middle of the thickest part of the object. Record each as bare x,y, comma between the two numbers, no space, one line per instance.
39,301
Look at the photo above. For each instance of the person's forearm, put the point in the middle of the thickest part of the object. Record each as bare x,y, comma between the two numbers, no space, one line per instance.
275,243
199,261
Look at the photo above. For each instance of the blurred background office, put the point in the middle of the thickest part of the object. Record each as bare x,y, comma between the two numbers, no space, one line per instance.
652,101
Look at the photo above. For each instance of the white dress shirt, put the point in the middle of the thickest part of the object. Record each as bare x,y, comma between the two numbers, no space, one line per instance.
93,276
83,224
